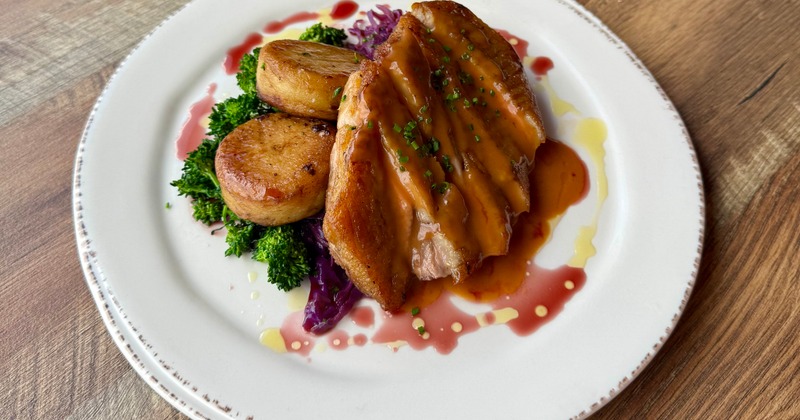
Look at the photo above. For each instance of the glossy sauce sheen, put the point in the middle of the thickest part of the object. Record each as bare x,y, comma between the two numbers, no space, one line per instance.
512,281
522,295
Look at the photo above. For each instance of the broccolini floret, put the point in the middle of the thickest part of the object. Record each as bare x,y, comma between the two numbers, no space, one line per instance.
324,34
246,77
282,248
199,181
232,112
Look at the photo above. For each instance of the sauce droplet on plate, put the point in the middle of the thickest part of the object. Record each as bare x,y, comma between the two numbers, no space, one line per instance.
235,54
344,9
276,26
541,65
192,132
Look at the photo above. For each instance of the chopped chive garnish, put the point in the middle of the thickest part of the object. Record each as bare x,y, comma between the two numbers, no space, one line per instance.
465,56
470,47
415,311
446,59
428,174
401,157
431,40
402,168
491,92
447,165
344,98
421,330
471,127
441,188
168,205
477,138
397,128
423,109
369,124
337,91
482,90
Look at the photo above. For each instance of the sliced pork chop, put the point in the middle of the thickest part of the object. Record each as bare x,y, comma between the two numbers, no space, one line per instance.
435,142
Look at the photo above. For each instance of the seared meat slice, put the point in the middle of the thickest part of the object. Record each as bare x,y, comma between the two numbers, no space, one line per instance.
435,142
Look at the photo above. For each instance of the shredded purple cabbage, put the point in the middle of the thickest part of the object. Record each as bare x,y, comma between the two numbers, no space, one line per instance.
376,31
332,294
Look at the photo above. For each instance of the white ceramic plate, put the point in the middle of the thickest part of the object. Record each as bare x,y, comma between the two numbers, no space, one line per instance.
187,320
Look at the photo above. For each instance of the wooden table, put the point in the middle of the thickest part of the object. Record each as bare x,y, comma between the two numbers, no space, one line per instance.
730,66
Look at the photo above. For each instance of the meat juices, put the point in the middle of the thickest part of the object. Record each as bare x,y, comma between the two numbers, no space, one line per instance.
436,140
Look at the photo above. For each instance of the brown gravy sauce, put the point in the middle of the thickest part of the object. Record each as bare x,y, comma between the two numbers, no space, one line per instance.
453,143
559,180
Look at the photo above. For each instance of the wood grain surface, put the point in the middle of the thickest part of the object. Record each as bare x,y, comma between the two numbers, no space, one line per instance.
730,66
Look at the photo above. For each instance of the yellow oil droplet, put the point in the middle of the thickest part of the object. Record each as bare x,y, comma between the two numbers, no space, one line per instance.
296,299
417,322
584,248
272,338
426,335
337,341
252,276
559,106
291,33
527,61
457,327
513,41
541,311
296,345
324,18
569,284
394,345
502,316
591,133
482,320
255,294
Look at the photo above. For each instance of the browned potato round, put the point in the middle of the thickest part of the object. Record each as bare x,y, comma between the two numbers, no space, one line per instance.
274,169
304,78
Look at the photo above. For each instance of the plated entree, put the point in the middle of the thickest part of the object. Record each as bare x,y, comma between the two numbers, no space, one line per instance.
402,163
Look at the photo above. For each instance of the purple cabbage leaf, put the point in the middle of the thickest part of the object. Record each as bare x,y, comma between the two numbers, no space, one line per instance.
374,30
332,294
